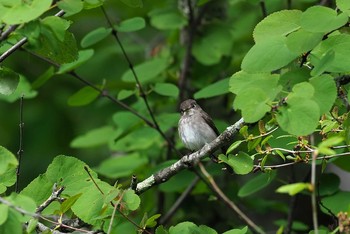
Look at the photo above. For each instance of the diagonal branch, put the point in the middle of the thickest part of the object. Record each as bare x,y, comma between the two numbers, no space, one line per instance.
192,159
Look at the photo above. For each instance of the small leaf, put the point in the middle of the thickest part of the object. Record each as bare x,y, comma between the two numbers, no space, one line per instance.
42,79
70,7
83,97
93,138
131,25
95,36
68,203
8,81
324,146
218,88
166,89
233,146
131,200
84,55
242,163
167,18
123,94
254,185
237,231
295,188
7,160
152,221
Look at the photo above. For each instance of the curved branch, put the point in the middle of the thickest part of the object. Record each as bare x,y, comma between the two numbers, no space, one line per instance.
192,159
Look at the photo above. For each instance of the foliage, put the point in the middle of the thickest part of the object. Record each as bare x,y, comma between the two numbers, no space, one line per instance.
101,81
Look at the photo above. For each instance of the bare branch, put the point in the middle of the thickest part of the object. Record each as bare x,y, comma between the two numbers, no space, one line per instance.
20,150
192,159
56,192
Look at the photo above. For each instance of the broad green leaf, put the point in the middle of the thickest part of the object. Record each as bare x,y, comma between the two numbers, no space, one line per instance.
340,44
323,63
123,94
93,138
325,92
84,55
25,11
189,227
39,189
241,163
95,36
237,231
328,184
32,225
167,18
131,25
214,43
133,3
83,97
218,88
23,202
61,52
131,200
12,224
299,116
23,89
7,160
8,81
3,213
125,120
166,89
303,41
277,24
325,145
322,19
344,6
293,189
168,120
338,202
146,71
42,79
121,166
68,203
71,7
294,76
90,4
257,183
7,179
303,90
57,26
268,55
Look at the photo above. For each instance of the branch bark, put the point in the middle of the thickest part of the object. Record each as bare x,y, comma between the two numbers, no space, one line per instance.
192,159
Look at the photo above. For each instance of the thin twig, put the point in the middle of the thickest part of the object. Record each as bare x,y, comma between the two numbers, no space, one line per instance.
292,204
115,208
313,184
20,150
263,8
55,195
228,202
8,31
179,201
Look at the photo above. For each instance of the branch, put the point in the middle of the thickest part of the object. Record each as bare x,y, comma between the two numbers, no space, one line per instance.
20,150
192,159
228,202
54,196
313,192
6,33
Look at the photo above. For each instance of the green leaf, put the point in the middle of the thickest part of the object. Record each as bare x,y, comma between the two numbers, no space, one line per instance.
68,203
293,189
303,41
70,7
237,231
277,24
167,18
146,71
242,163
57,51
213,90
23,202
214,43
8,178
233,146
322,19
3,213
151,221
32,225
57,26
25,11
189,227
83,97
23,89
90,4
340,44
12,224
344,6
254,185
325,145
121,166
8,81
131,200
84,55
325,92
7,160
268,55
133,3
329,184
255,92
42,79
338,202
93,138
123,94
166,89
131,25
95,36
323,63
299,117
